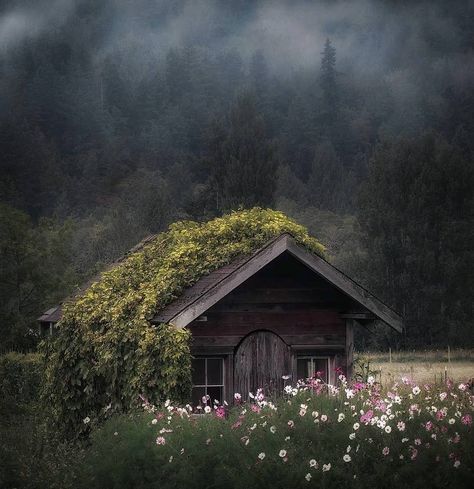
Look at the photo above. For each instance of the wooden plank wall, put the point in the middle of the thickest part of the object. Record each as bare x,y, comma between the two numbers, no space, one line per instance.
285,298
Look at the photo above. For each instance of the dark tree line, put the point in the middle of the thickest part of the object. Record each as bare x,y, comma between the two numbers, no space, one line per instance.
98,151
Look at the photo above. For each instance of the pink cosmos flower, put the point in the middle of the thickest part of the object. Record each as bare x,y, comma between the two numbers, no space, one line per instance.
220,412
467,420
414,453
366,417
160,440
429,426
255,408
386,451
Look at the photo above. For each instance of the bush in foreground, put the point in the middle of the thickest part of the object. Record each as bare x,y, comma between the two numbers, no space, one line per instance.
317,436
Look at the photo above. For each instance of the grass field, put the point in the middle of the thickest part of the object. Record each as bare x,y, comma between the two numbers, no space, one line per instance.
421,366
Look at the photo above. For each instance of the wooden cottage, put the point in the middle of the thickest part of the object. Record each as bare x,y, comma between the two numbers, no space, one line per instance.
283,311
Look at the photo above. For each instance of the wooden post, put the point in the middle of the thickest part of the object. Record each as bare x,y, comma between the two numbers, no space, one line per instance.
390,354
349,347
449,356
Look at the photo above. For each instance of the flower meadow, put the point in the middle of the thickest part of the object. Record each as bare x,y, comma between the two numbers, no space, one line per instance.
315,435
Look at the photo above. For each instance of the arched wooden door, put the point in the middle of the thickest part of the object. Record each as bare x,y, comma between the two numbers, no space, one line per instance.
261,360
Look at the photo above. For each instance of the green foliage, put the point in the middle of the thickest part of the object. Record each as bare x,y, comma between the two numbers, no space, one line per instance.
35,268
313,430
416,212
32,454
107,352
362,369
241,159
20,380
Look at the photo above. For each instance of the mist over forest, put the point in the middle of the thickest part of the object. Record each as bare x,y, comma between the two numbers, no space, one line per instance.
355,118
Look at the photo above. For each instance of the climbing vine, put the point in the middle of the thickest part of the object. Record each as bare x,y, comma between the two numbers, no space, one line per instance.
107,352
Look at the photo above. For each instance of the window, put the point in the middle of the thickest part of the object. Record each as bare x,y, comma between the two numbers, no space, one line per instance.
208,379
46,329
309,366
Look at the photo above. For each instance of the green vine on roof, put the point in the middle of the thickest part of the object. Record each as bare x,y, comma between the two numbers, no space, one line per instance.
107,352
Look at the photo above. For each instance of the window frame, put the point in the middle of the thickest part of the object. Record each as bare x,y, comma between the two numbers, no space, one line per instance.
206,385
308,356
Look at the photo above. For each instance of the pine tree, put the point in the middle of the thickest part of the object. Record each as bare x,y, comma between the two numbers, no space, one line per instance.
241,159
416,211
328,76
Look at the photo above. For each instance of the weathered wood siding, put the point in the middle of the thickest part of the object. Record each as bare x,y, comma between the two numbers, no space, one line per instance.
285,298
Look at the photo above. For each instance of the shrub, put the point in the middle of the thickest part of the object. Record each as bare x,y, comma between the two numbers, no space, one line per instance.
354,437
20,380
107,352
31,455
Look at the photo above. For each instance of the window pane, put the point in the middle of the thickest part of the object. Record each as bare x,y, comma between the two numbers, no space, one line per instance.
303,368
198,393
321,366
214,371
215,393
199,376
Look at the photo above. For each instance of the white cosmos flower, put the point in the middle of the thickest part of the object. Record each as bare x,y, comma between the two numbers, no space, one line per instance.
451,421
346,458
308,476
273,429
261,455
207,409
352,436
416,390
154,421
326,467
282,453
315,414
356,426
86,420
313,463
324,417
340,417
388,429
401,426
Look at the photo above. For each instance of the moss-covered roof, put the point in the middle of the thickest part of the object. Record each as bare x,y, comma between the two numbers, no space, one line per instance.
150,277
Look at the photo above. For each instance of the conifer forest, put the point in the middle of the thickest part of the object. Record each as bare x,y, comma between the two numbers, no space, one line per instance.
355,118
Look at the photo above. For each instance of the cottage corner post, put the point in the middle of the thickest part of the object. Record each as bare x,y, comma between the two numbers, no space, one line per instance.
349,347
